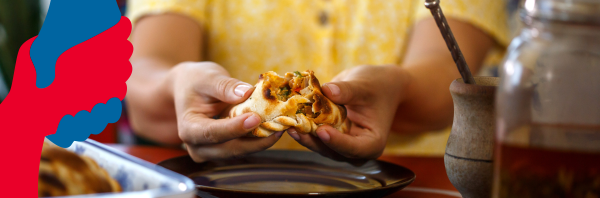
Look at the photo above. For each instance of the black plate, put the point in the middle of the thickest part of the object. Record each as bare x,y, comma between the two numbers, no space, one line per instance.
277,173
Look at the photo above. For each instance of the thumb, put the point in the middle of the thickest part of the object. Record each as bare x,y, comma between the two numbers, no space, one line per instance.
347,92
230,90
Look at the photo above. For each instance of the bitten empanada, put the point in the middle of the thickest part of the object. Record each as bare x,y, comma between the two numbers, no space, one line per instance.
294,100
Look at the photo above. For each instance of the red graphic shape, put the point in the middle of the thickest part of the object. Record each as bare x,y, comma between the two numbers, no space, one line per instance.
87,74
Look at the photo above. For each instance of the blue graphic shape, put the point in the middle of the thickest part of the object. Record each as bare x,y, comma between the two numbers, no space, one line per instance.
84,123
67,24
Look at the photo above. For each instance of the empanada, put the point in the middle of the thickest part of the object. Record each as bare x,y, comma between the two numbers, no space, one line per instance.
294,100
64,173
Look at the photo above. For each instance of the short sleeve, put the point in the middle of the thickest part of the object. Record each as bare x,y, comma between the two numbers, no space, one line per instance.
195,9
488,15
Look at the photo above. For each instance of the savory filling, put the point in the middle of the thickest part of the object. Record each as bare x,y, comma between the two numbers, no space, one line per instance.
294,84
306,109
283,93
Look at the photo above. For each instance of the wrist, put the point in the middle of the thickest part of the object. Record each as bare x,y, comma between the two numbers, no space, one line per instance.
170,85
180,80
183,78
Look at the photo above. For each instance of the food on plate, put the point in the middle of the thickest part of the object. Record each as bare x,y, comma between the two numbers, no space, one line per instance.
294,100
64,173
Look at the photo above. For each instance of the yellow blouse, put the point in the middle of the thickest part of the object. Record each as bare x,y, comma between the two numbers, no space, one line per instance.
250,37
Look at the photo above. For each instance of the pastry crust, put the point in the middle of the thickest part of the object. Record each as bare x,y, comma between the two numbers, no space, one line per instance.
294,100
64,173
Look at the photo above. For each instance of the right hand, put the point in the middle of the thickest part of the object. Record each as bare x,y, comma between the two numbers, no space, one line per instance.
203,90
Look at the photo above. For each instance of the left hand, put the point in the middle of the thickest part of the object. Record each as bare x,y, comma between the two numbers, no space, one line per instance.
371,95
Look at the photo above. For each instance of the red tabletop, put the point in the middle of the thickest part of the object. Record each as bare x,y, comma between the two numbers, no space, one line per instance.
431,178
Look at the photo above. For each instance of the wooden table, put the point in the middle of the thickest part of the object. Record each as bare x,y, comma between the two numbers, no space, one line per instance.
431,178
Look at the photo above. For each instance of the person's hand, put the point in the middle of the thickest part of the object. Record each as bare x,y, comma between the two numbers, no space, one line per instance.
371,95
202,91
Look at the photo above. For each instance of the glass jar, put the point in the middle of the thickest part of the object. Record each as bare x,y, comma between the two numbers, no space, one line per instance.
548,104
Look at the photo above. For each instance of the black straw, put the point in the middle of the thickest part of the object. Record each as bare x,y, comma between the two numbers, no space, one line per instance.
459,59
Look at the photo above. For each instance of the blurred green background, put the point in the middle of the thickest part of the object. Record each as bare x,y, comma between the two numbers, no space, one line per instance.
19,21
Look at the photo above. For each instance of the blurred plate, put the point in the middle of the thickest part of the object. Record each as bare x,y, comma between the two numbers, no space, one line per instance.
138,178
277,173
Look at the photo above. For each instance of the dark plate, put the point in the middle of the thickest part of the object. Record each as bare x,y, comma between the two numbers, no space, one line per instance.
277,173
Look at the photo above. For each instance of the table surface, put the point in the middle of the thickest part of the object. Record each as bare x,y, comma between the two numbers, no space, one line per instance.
431,178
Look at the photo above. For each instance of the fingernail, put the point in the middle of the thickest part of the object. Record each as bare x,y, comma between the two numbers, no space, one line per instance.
293,134
251,122
292,130
240,90
279,134
323,135
335,90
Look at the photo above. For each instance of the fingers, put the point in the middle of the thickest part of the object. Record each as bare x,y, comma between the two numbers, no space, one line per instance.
315,144
210,80
198,129
232,149
359,143
309,141
347,92
230,90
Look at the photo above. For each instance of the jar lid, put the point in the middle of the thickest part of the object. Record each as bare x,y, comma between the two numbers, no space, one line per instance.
578,11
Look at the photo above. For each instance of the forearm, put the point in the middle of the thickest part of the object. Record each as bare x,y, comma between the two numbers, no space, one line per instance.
161,42
427,104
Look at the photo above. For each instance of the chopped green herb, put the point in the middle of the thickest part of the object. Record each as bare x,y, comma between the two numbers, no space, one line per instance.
285,91
298,73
